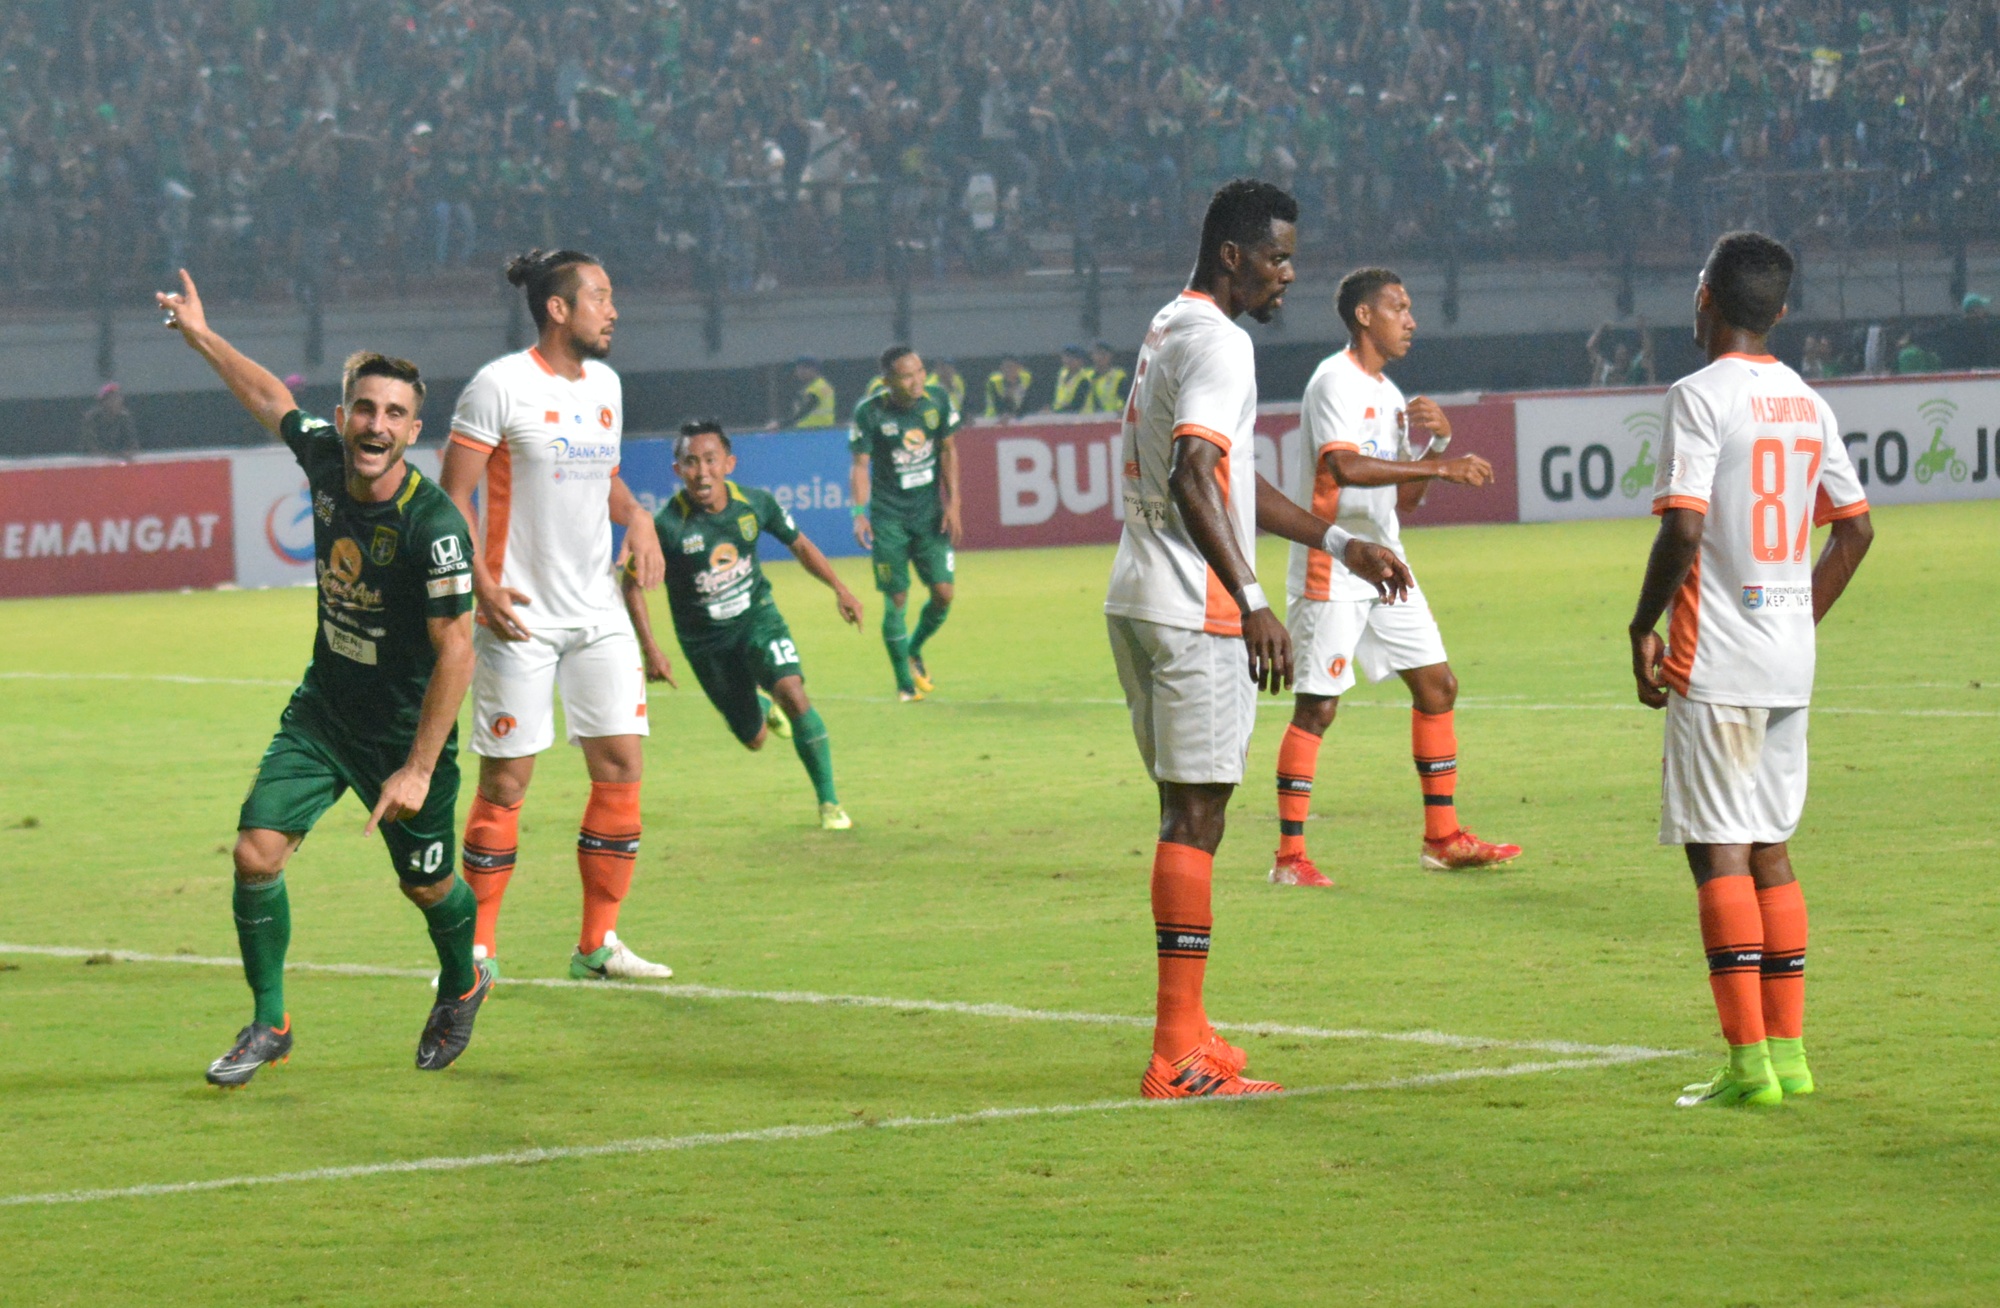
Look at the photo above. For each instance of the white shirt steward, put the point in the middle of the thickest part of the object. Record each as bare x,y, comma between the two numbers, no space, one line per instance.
1758,453
553,447
1176,633
1338,620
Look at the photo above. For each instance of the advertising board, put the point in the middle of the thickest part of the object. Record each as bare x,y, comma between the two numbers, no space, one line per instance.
115,527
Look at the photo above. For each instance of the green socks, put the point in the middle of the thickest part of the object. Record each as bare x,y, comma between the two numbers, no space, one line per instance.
1751,1062
451,921
809,739
896,638
928,622
263,932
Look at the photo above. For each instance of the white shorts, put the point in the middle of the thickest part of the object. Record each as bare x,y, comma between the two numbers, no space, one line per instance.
1330,636
598,669
1192,701
1733,776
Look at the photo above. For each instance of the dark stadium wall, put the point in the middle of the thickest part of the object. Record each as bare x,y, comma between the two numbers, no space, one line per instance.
751,397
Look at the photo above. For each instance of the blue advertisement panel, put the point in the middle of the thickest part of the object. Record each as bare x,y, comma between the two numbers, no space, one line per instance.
805,470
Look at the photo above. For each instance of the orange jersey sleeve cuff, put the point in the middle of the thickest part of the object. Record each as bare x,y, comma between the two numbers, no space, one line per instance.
1828,513
460,438
1208,434
1694,502
1340,445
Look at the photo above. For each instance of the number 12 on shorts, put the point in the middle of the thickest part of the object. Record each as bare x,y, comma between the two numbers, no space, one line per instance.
783,652
1769,531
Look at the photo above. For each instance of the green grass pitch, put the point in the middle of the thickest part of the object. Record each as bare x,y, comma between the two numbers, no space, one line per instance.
1000,857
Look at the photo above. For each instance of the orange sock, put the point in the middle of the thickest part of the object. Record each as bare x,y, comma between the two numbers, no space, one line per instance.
1298,756
1434,743
1181,925
1784,971
1732,932
492,833
607,849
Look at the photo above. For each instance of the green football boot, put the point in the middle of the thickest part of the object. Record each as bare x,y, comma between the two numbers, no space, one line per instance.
1788,1061
1747,1081
775,719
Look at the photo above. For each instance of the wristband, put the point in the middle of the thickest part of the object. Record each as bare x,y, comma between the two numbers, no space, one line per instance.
1438,445
857,510
1251,598
1335,541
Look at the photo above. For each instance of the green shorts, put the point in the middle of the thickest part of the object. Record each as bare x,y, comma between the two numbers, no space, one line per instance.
755,652
307,768
898,545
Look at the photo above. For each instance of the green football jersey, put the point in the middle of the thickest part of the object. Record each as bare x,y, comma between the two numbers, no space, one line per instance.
902,450
713,578
384,569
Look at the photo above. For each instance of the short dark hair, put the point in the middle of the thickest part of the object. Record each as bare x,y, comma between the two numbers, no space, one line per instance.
700,427
543,273
892,354
370,363
1358,288
1748,275
1242,212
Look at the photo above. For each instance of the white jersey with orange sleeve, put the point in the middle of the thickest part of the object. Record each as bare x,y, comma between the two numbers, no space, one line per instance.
554,447
1345,408
1196,376
1758,452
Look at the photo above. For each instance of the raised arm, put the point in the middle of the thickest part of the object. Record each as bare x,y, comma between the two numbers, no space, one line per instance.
404,792
255,387
814,562
1673,554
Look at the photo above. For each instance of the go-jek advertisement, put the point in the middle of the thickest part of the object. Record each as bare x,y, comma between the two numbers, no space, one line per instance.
1913,440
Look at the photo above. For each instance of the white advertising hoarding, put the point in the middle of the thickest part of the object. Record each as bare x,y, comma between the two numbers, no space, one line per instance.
1914,441
272,512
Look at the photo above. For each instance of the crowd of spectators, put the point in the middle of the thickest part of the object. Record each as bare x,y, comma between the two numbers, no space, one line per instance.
304,146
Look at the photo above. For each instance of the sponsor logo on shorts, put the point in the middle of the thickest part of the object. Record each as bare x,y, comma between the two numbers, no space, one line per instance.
1338,666
446,552
503,725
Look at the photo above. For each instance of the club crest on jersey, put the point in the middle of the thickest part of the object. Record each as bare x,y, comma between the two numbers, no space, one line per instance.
747,524
693,544
382,549
1753,597
605,417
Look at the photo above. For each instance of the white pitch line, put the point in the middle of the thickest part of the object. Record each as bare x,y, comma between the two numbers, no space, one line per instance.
1008,1012
773,1134
1502,703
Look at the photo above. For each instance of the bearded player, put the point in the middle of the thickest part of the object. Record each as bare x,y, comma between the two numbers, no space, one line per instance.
1361,471
542,428
724,614
1191,632
906,506
1750,459
377,711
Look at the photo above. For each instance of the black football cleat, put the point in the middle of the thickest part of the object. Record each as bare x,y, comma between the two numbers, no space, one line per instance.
448,1030
256,1045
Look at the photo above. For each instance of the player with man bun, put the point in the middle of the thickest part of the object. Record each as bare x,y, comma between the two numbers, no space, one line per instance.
542,429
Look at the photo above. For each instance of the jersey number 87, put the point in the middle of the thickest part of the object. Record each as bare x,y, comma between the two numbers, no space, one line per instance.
1769,532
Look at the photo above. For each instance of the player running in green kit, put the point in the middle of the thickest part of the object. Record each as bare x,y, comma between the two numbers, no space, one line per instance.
728,624
906,507
377,712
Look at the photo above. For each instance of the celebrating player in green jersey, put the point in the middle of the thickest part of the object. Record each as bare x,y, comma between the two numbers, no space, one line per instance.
728,624
906,507
377,712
